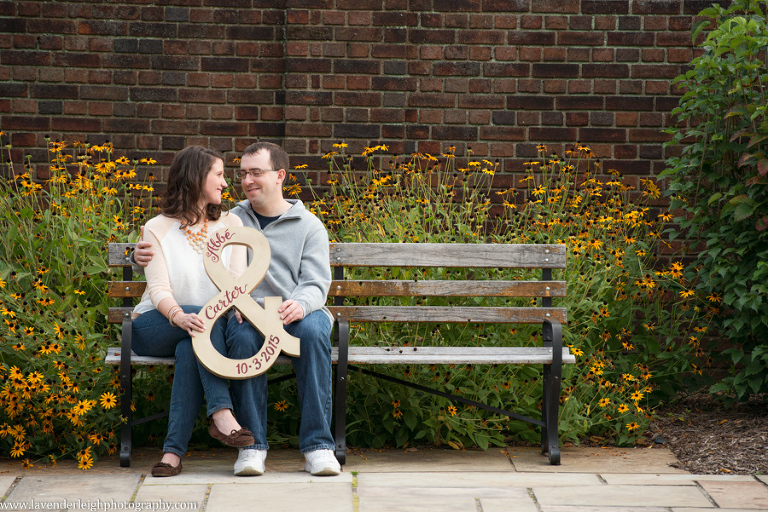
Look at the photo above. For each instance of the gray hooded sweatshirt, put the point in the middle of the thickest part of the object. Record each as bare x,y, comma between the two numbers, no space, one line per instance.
300,266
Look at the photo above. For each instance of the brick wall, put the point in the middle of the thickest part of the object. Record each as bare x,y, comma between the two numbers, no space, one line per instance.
499,76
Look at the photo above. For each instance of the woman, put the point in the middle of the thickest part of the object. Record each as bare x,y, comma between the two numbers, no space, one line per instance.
177,287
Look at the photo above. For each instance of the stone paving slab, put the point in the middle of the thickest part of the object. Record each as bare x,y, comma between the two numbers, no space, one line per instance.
5,484
408,461
173,493
747,495
671,479
623,495
458,480
315,497
439,499
83,487
598,460
506,505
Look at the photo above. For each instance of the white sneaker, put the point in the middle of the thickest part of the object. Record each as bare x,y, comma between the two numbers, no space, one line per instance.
322,463
250,462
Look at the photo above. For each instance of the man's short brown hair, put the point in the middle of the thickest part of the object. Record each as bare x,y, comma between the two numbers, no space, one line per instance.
278,158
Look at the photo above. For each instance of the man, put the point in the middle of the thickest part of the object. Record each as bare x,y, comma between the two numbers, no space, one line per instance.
300,273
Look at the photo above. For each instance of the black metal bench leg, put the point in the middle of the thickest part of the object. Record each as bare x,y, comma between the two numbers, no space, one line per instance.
127,395
544,408
553,375
340,401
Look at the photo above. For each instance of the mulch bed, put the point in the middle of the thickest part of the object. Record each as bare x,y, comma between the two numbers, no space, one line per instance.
709,438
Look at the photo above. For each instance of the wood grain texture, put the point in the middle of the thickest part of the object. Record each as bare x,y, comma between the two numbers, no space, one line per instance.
119,289
119,254
410,288
448,255
458,314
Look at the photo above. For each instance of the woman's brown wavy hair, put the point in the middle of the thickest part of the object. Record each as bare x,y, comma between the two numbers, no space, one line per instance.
186,179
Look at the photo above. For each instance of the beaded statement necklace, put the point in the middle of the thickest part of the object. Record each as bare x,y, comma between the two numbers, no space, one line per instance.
197,238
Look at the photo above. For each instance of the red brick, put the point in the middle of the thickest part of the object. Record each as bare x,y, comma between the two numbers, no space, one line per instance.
653,55
505,53
579,86
578,54
505,21
605,22
51,75
76,124
657,87
76,108
673,39
222,80
555,86
24,106
552,134
651,119
555,54
556,22
603,55
479,53
647,135
625,151
683,55
656,23
99,109
222,112
530,54
359,18
531,22
173,111
627,118
577,119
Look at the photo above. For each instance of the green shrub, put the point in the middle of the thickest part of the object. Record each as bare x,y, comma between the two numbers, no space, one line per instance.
57,397
718,184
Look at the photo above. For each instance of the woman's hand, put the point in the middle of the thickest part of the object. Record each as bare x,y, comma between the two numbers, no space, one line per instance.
190,322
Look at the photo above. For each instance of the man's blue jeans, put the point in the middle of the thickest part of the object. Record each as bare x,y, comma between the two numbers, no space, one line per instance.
313,377
153,335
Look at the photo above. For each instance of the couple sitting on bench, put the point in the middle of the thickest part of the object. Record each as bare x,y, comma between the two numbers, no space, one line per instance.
177,287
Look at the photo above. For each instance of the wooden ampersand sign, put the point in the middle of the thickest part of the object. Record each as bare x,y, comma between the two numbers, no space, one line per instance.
236,293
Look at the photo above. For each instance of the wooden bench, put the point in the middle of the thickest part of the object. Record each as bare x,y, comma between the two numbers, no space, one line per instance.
346,259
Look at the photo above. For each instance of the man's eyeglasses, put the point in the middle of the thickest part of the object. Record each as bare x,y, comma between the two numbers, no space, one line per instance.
253,173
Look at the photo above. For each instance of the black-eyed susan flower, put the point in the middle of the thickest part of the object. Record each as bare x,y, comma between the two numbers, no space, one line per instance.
281,406
108,400
452,410
85,463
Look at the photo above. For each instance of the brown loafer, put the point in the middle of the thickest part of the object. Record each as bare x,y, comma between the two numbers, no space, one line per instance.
235,439
164,469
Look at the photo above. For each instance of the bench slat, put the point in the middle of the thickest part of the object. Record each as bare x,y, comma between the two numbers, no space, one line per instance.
455,355
119,254
397,288
448,255
456,314
403,355
116,314
119,289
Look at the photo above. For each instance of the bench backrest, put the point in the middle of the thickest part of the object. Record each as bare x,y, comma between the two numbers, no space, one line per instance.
460,256
455,256
127,289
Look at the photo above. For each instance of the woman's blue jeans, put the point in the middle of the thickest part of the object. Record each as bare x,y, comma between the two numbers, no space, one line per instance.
313,377
153,335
